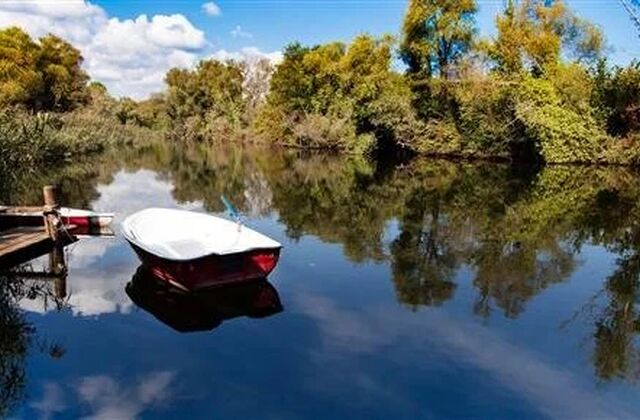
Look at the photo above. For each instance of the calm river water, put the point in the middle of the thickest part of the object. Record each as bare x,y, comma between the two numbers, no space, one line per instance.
426,290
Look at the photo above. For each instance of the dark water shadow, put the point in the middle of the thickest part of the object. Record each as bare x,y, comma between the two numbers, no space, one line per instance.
203,310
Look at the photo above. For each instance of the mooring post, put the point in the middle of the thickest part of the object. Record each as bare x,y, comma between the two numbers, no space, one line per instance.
58,267
51,208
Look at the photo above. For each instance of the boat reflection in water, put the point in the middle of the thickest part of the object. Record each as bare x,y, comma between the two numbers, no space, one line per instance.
205,309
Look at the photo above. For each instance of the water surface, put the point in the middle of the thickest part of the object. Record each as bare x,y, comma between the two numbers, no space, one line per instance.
423,290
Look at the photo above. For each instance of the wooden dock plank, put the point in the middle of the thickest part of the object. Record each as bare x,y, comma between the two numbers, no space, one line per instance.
15,239
24,243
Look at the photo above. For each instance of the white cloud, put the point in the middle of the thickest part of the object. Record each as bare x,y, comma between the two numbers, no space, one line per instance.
238,32
129,56
211,9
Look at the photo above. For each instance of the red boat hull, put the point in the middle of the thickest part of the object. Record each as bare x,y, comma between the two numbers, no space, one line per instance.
212,270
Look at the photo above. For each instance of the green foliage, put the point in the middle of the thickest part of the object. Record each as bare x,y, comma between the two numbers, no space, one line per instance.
536,101
350,87
440,138
486,117
317,131
561,134
617,96
207,102
27,141
533,35
43,75
31,140
436,34
148,113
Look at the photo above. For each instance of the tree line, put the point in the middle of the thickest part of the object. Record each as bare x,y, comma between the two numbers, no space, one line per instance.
539,90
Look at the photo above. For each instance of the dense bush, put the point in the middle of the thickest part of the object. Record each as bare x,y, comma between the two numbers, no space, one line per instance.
486,116
28,140
351,87
560,134
617,96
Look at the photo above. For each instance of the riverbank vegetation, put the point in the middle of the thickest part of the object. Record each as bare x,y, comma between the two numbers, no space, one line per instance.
49,112
540,90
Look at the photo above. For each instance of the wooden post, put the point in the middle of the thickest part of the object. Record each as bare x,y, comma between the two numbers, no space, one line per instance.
58,268
51,207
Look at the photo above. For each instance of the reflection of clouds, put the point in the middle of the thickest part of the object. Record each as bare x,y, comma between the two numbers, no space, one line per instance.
100,267
52,401
132,192
110,400
341,328
106,397
258,196
554,391
97,276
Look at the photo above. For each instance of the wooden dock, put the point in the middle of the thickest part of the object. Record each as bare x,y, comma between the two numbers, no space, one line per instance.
21,239
23,243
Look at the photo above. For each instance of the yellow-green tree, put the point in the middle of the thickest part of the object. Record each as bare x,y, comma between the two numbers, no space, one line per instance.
207,102
20,81
534,34
435,35
64,81
43,75
338,96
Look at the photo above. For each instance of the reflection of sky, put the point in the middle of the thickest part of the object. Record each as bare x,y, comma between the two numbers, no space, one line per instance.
106,398
343,347
99,267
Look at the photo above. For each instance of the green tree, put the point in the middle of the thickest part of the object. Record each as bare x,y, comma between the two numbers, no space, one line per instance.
338,96
207,102
534,35
20,80
616,96
64,81
44,75
435,35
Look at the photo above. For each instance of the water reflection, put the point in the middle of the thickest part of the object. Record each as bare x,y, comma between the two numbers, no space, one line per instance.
490,241
203,310
17,334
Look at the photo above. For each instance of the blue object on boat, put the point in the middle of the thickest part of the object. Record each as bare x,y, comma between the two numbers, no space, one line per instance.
233,212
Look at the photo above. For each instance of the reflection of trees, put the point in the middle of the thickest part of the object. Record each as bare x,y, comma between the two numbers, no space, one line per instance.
15,336
423,258
617,352
336,199
517,234
617,326
511,274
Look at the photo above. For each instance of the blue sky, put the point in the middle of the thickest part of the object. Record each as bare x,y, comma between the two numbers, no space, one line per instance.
274,23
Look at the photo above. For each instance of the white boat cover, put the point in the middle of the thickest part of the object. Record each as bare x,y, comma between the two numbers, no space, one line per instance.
181,235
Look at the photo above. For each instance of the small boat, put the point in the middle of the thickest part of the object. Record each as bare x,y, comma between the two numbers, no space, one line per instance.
32,216
85,218
202,310
195,250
